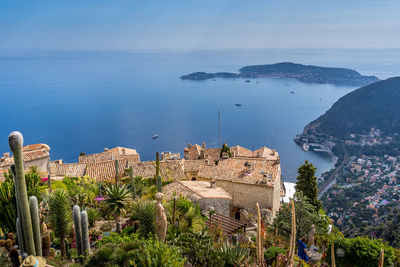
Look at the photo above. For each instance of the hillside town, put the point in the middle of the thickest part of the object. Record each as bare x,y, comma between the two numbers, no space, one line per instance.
231,184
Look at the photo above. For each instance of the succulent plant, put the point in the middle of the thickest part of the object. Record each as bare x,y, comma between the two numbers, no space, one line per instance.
15,141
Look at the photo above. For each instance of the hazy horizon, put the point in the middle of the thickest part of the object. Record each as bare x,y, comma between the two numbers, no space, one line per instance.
192,25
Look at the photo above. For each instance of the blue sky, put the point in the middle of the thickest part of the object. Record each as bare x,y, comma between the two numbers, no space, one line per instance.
201,24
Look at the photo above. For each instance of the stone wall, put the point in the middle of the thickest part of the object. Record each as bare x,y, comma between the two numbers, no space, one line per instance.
220,205
41,164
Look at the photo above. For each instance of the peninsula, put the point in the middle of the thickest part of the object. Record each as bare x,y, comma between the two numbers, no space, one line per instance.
303,73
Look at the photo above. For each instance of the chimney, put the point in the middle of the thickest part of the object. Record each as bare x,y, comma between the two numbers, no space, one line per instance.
123,152
212,183
189,145
106,149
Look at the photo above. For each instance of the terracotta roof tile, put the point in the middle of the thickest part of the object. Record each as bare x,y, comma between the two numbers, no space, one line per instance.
115,153
244,170
105,171
67,169
168,169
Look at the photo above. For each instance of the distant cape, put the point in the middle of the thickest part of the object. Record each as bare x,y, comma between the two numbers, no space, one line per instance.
303,73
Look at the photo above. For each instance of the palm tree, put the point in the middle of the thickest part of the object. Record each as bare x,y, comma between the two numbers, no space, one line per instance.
60,216
117,198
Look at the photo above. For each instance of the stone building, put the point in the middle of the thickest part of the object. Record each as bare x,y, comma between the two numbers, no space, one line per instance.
111,154
248,177
206,194
37,155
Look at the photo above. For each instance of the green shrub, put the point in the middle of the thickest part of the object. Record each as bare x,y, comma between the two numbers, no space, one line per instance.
93,216
127,231
106,227
143,253
145,212
273,251
113,238
361,251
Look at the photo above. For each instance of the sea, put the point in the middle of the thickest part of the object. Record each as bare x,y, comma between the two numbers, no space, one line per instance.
85,101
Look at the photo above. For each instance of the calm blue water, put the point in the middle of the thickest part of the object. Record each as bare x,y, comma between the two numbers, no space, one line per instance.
85,101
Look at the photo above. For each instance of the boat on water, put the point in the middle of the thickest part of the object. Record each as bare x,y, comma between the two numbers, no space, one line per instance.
292,92
247,81
238,105
154,136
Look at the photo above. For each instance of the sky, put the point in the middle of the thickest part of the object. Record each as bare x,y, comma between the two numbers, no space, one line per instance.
200,24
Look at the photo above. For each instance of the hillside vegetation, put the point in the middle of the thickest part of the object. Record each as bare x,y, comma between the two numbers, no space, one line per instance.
375,105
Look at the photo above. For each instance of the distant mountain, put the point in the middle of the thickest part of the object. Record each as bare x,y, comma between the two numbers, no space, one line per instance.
376,105
303,73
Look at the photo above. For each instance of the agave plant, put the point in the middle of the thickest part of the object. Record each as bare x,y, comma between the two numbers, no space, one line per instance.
145,212
117,199
234,255
60,216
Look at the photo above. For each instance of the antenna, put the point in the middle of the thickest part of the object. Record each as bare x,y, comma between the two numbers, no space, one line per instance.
219,128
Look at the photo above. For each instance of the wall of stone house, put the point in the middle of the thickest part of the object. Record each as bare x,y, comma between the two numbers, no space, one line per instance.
220,205
41,164
247,195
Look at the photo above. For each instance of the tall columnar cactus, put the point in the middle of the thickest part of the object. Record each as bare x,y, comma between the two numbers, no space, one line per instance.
260,255
292,235
78,232
381,258
116,171
333,263
49,180
133,186
20,234
85,233
33,206
15,141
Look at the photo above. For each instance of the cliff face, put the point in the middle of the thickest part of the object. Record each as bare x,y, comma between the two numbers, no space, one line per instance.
376,105
303,73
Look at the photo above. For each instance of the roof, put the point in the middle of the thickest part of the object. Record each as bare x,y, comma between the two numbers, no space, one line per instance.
169,169
29,153
238,151
105,171
68,169
111,154
35,147
196,190
193,165
244,170
227,224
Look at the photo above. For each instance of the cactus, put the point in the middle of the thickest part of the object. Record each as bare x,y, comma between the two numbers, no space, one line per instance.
333,263
49,181
381,258
15,141
133,186
20,235
85,233
260,255
116,171
33,206
46,245
158,177
78,231
292,236
174,212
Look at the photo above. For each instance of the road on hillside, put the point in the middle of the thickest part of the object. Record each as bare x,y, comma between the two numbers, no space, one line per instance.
331,179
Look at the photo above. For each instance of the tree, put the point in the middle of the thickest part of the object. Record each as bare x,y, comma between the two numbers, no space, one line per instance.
306,215
307,183
225,149
117,198
60,216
